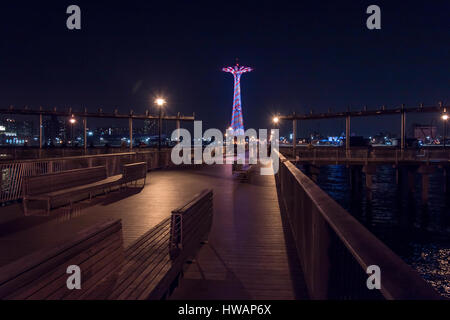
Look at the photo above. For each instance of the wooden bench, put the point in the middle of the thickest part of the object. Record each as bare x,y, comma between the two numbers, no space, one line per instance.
147,269
241,171
151,267
134,172
42,275
63,187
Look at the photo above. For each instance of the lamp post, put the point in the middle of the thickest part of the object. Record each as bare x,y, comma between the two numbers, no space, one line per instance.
72,122
160,102
276,122
445,118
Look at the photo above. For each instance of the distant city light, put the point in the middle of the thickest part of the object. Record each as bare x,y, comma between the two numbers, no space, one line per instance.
445,117
276,119
72,120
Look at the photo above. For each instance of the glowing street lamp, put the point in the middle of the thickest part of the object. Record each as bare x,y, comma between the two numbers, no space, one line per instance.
276,120
445,118
160,102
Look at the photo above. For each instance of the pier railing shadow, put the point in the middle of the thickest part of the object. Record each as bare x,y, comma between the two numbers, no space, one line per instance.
335,250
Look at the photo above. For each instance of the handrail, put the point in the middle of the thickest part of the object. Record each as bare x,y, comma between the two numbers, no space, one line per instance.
100,155
365,154
398,280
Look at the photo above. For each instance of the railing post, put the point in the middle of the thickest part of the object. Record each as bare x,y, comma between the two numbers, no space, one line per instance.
178,127
130,125
403,130
294,136
40,134
347,135
85,134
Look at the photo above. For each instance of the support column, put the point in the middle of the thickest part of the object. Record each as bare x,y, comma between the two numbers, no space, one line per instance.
130,124
447,180
85,134
40,131
315,171
403,131
369,171
425,171
398,175
178,127
355,177
294,137
425,188
159,129
347,135
411,180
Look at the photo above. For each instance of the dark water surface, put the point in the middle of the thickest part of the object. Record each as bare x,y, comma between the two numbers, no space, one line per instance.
418,233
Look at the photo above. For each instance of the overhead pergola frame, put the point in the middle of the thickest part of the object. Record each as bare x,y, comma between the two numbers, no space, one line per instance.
402,111
99,114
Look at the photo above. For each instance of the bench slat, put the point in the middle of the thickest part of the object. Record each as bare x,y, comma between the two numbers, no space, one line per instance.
23,271
136,263
52,277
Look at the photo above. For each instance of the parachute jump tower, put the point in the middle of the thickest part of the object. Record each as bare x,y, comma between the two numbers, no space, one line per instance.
237,121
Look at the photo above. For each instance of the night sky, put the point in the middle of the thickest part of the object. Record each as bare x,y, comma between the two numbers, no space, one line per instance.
305,54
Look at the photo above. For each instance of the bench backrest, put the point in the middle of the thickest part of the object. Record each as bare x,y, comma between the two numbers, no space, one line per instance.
50,182
134,171
191,224
43,274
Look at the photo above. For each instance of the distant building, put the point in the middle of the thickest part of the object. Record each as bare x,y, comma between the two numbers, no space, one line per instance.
150,126
54,130
424,132
15,132
25,128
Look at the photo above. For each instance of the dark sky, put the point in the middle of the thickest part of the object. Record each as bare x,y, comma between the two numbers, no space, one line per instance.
305,54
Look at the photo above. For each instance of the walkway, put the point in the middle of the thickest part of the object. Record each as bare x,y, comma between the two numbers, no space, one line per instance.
247,256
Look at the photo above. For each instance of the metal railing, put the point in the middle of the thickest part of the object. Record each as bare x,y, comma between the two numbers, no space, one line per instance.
335,250
13,172
366,155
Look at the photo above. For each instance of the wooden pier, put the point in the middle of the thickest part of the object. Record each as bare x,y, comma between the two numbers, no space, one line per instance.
246,243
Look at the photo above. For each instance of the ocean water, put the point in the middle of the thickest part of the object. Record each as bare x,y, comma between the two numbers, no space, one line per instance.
419,233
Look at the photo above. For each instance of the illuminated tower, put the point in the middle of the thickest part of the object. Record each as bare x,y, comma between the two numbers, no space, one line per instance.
237,122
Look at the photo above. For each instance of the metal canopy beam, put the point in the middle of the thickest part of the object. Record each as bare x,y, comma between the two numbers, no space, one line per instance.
364,113
69,113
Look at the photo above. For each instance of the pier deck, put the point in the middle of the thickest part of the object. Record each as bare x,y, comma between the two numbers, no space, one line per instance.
247,256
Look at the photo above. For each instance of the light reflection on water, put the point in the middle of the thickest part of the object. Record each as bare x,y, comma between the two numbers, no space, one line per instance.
419,234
